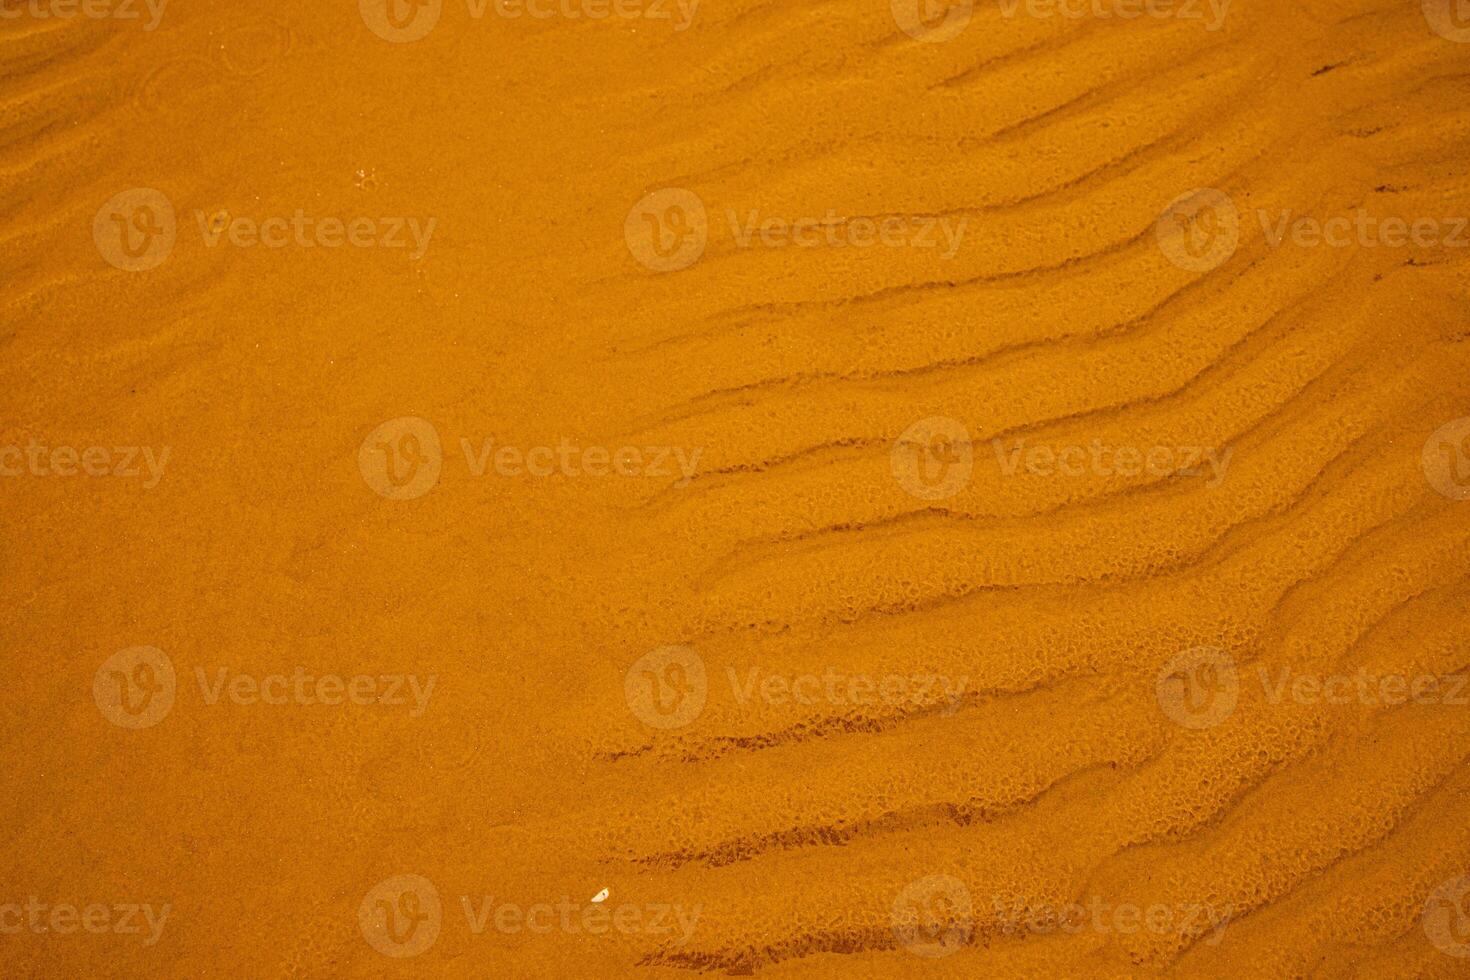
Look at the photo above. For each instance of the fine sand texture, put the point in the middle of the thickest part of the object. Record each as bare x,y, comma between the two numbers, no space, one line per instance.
838,488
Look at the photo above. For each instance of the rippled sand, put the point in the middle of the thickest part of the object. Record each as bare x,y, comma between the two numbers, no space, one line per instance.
880,496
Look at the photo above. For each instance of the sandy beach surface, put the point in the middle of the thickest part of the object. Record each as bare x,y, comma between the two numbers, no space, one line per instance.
642,488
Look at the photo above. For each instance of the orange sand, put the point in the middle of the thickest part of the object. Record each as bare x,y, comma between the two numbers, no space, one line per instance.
327,684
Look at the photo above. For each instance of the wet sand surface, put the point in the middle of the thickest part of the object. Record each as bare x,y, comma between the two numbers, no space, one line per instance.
882,495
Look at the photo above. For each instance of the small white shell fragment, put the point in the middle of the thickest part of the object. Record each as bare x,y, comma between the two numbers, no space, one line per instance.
600,896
